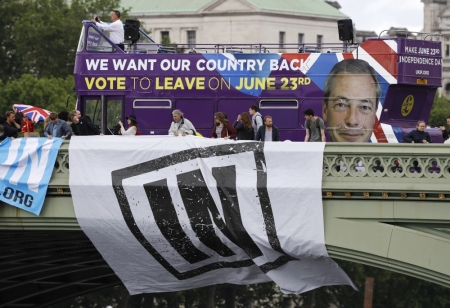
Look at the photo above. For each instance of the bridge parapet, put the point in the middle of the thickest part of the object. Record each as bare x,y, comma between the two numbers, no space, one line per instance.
399,171
384,205
386,171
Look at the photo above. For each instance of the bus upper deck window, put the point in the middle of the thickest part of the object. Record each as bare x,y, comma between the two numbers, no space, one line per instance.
97,43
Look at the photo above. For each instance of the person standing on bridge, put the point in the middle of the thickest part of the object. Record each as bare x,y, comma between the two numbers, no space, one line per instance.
115,28
222,128
132,126
419,135
180,125
257,120
244,127
268,132
10,125
445,134
315,127
351,95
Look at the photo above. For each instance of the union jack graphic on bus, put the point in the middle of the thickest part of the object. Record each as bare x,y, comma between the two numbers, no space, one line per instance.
34,113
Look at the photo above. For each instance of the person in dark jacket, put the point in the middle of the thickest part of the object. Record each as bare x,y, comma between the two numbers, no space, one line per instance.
244,127
11,128
445,134
419,135
83,126
222,128
268,132
2,133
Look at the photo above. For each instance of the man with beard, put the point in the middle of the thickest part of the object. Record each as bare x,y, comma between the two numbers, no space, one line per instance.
351,96
11,127
268,132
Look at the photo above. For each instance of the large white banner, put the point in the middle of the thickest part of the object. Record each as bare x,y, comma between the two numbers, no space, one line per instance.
175,213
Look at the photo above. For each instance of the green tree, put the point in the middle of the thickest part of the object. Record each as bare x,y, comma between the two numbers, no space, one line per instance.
49,93
440,111
43,40
10,11
40,37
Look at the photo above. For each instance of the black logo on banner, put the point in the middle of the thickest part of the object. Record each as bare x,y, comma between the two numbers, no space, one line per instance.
198,202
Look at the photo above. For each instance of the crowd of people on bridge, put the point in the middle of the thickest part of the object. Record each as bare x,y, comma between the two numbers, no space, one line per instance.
244,128
248,126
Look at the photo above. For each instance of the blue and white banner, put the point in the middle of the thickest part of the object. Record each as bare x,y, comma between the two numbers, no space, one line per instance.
175,213
26,166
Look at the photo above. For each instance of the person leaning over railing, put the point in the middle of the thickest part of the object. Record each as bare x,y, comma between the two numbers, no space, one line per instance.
419,135
56,127
180,125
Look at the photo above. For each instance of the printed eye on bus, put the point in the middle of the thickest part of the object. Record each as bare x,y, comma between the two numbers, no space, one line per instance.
401,75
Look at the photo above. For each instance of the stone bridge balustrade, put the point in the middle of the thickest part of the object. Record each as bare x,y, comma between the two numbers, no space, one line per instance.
355,170
386,171
384,205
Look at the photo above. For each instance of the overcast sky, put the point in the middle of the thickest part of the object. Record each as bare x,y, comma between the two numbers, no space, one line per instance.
379,15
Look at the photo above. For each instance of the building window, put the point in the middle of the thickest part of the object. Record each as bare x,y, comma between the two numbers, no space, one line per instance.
191,39
300,39
319,39
447,50
165,38
281,39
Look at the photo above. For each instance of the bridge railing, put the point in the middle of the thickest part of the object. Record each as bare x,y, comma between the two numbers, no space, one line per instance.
354,171
386,171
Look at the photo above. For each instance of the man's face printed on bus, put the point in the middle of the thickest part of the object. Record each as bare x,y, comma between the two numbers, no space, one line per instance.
351,108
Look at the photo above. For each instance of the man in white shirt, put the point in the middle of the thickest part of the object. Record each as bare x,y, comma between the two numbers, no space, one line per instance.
115,28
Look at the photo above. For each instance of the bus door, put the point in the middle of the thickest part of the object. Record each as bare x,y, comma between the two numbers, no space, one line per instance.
92,107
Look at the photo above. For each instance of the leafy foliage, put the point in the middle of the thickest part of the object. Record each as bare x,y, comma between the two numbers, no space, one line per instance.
440,111
48,93
43,44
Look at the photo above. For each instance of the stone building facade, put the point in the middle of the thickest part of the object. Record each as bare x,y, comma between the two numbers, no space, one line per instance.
437,20
238,21
235,22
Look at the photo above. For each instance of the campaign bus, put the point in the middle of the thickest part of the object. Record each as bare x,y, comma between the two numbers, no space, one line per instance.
150,80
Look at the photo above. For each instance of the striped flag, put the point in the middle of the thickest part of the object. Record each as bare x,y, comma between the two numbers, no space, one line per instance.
34,113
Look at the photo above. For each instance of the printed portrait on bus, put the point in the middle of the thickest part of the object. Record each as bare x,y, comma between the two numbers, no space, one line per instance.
351,96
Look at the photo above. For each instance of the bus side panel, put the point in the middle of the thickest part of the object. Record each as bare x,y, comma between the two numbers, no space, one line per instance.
153,114
199,111
405,105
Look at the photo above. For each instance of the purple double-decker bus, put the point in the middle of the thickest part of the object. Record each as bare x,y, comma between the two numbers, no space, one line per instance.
150,81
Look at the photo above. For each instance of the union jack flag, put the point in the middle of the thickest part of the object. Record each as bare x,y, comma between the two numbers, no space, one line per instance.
34,113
